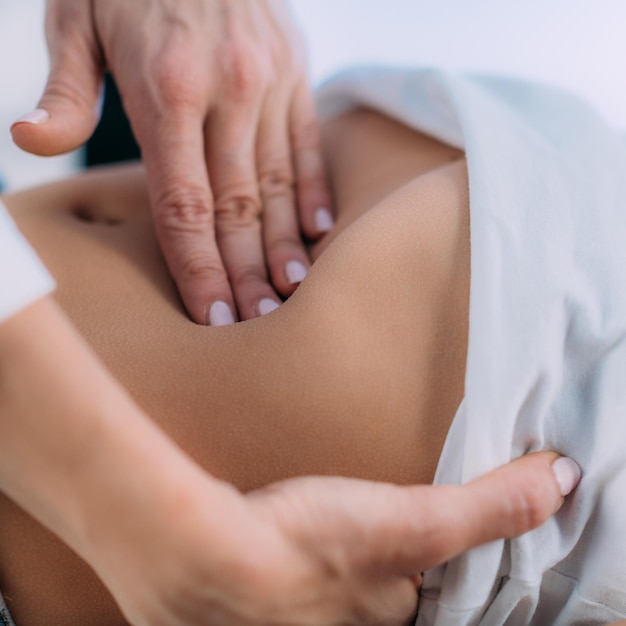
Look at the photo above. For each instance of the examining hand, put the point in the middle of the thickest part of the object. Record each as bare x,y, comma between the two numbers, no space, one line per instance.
177,547
319,550
217,96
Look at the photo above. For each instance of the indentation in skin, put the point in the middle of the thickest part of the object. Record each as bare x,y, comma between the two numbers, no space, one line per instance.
86,214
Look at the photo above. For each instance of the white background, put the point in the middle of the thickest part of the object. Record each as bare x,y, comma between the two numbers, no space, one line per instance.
579,44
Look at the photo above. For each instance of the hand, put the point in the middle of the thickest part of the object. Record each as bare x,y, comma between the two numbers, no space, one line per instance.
177,547
217,96
319,550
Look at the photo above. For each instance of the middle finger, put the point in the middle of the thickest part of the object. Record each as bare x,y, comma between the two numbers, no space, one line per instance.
230,147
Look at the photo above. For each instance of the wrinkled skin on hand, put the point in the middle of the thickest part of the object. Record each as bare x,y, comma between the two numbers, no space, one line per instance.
177,547
217,96
315,550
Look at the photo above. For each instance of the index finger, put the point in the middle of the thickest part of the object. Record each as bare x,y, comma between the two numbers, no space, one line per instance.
183,210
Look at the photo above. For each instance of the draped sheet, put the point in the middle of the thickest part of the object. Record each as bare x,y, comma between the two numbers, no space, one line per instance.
546,362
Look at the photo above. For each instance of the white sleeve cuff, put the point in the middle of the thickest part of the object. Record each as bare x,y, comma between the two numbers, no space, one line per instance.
23,277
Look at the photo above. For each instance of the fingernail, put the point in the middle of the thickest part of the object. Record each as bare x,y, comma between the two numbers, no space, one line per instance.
295,272
267,305
220,314
324,220
38,116
567,474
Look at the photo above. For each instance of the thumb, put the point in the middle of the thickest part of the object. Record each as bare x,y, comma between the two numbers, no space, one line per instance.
433,524
69,109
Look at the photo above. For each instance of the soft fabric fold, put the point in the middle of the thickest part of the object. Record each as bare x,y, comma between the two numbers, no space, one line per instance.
546,363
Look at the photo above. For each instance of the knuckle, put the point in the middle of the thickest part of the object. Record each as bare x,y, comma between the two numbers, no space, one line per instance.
285,244
237,210
246,275
277,181
243,73
176,89
313,181
200,267
531,505
177,82
185,210
307,136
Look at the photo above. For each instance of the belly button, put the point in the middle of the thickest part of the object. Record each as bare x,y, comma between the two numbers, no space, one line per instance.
89,216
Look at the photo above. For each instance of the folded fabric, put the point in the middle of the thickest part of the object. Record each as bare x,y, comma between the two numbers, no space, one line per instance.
546,363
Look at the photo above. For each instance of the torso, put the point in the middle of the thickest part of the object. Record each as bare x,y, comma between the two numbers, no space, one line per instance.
359,374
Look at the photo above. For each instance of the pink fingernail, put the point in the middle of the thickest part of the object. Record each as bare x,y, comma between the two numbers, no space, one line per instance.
324,220
296,272
220,314
38,116
267,305
567,474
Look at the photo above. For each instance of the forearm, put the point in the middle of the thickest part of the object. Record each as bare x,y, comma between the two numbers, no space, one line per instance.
77,453
175,546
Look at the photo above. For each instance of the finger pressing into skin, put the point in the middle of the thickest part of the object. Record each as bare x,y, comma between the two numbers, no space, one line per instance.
69,109
182,206
505,503
311,182
286,257
230,146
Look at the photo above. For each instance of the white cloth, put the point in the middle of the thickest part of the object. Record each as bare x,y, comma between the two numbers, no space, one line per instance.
546,363
23,278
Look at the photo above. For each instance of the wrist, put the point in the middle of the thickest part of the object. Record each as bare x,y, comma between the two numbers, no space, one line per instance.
157,522
78,454
82,458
